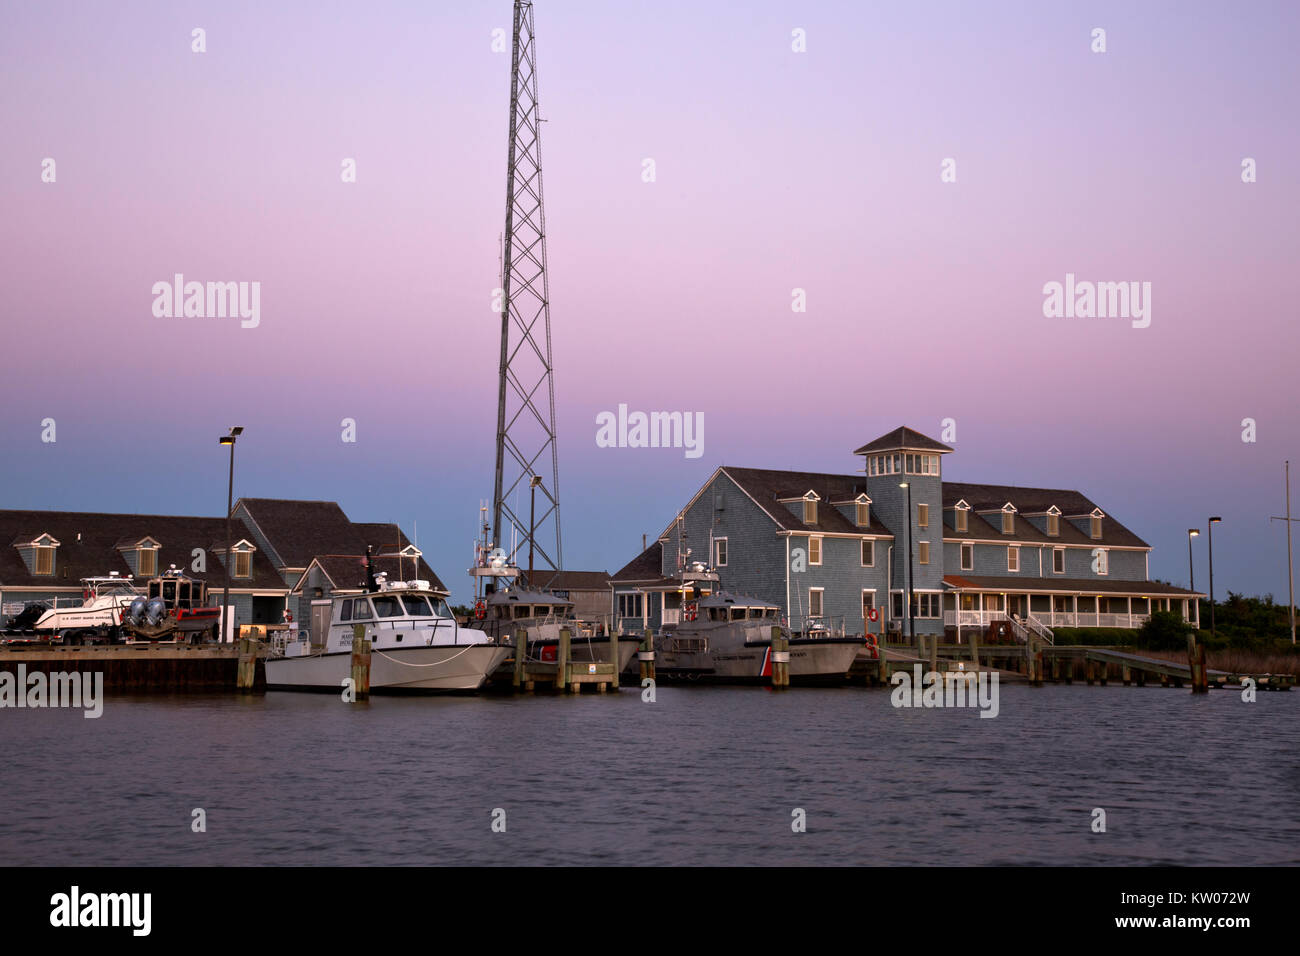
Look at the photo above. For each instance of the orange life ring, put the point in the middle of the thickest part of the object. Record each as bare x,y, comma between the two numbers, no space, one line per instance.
873,615
480,610
873,646
692,610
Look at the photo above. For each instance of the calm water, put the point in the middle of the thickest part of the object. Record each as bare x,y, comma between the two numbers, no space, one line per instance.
703,775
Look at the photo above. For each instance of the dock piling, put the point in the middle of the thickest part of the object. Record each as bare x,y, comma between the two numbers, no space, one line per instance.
562,662
646,655
360,664
521,655
246,674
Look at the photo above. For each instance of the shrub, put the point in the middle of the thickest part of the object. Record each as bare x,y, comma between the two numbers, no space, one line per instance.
1164,631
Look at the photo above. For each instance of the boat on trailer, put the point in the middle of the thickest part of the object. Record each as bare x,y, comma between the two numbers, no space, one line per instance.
416,644
98,619
173,609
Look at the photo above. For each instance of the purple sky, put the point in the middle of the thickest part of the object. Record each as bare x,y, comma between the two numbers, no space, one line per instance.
775,170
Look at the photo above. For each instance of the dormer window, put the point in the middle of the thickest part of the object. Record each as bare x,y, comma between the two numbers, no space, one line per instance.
810,508
1094,520
1008,519
960,517
1053,521
147,561
243,560
42,548
863,509
44,559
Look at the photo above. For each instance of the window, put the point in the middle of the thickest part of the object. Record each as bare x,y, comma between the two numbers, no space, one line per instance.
243,564
923,552
1013,559
922,516
387,605
1058,560
720,552
1053,524
814,550
1101,561
1008,522
925,604
864,514
815,602
868,554
44,560
968,557
361,610
872,463
1095,522
345,610
868,603
959,520
148,561
810,510
629,605
896,603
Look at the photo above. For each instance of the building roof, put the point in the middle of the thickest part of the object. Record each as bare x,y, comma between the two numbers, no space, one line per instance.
300,530
580,581
99,548
1057,585
646,566
1030,501
902,437
768,488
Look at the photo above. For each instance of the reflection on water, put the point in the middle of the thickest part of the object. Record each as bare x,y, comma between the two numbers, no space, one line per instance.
703,775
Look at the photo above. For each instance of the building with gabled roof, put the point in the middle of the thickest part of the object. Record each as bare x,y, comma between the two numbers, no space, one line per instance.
275,542
833,549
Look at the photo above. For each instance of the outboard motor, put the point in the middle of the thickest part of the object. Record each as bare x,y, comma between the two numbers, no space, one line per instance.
135,613
155,611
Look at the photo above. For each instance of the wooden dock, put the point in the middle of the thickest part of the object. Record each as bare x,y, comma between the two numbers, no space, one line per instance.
1039,662
141,668
563,674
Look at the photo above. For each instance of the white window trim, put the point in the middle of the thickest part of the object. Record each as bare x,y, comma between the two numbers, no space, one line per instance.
820,549
962,556
923,552
1055,552
872,542
821,600
1013,549
919,522
725,547
1104,554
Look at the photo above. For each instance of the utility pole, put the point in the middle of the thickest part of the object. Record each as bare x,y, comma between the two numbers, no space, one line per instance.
526,389
1290,576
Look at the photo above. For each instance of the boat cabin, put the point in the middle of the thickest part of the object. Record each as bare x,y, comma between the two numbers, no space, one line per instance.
178,590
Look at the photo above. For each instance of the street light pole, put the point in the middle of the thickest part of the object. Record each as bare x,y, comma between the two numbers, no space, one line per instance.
229,439
1191,571
1211,549
911,627
532,511
1290,575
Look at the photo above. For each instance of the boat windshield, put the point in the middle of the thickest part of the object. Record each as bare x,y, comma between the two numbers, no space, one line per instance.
440,608
386,605
416,605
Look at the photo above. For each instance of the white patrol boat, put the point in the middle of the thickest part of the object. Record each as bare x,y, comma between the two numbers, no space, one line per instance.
416,645
98,618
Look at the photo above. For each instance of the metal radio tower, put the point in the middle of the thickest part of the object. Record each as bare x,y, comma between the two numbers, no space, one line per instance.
526,396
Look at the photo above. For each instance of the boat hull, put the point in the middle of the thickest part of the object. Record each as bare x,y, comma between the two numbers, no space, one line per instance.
426,669
824,661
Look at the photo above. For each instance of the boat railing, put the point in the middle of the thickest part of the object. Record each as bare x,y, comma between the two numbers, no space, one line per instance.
685,645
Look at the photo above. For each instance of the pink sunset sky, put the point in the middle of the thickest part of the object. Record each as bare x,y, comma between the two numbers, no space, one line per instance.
775,170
